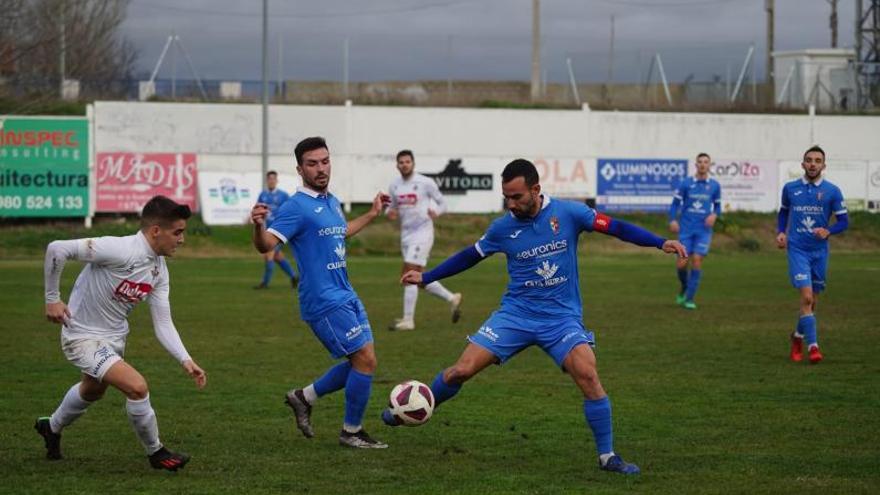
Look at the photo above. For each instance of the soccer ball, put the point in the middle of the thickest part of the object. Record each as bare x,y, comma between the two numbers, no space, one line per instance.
411,403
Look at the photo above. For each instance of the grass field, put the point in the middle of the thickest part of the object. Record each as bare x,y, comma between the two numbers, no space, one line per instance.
704,402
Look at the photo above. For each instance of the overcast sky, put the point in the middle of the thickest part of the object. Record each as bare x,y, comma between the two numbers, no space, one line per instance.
475,39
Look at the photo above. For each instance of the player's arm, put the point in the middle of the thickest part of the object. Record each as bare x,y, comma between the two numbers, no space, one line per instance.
634,234
102,250
782,220
391,210
261,238
673,211
379,203
457,263
439,200
841,217
166,332
716,208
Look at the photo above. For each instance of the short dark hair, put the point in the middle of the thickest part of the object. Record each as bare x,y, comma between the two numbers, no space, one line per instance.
308,144
813,148
408,153
702,154
163,211
271,172
520,168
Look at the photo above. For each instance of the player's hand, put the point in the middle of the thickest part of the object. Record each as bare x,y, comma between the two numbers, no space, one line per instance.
391,213
710,220
676,247
433,214
259,213
57,312
380,202
197,373
781,240
821,232
412,277
673,227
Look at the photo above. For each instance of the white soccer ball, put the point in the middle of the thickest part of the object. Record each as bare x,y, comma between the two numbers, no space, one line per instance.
412,403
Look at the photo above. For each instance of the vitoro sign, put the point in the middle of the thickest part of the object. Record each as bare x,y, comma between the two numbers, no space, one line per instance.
44,167
455,180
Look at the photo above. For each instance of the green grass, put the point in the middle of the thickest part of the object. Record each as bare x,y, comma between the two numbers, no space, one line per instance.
704,401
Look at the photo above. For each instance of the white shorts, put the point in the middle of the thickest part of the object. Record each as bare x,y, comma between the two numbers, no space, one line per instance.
416,253
93,356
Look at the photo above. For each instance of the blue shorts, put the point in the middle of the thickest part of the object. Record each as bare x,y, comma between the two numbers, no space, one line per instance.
504,335
807,268
696,242
343,331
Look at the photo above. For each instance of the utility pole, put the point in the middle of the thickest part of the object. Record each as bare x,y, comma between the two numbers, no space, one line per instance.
770,7
536,50
62,62
610,62
265,133
833,23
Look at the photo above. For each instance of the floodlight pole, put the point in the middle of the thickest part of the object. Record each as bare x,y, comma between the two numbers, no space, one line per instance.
742,74
571,79
265,106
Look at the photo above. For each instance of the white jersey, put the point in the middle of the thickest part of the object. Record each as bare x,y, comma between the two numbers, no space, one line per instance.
412,197
120,272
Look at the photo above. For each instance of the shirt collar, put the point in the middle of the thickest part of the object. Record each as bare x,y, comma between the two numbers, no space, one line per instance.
817,183
312,192
146,244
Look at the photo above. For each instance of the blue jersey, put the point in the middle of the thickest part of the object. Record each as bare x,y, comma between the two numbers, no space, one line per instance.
273,199
541,259
315,226
810,206
698,199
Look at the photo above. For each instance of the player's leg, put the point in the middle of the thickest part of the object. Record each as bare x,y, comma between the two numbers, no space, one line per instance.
279,258
358,388
410,295
437,289
580,363
74,404
681,266
268,268
698,251
818,267
141,415
800,274
301,400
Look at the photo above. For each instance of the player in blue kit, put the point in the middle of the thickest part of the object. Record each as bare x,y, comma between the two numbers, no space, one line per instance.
542,305
699,200
273,198
807,206
313,223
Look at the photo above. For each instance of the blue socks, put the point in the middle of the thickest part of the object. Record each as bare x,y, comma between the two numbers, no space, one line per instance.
357,393
443,391
693,284
286,268
267,272
683,278
334,379
807,328
598,414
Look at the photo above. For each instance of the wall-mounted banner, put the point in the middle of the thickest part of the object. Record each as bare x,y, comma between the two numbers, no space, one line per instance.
227,198
44,167
638,184
126,181
567,177
873,186
852,177
453,179
470,185
746,185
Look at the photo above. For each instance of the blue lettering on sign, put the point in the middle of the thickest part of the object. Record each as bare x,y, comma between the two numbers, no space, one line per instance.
637,184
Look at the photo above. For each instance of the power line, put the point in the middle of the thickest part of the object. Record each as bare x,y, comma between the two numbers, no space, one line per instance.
664,3
325,15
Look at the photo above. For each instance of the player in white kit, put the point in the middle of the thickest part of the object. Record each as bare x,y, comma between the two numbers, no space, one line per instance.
416,201
119,273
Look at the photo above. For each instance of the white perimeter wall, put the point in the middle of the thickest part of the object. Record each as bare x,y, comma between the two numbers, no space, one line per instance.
565,143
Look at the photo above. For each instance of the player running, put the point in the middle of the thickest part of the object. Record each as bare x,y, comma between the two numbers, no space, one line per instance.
699,199
274,198
542,305
417,201
313,223
807,205
120,272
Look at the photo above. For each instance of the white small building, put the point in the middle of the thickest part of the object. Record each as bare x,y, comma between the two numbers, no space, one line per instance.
823,77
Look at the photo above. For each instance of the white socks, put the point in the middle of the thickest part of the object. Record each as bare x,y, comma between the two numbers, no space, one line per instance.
71,407
410,296
310,394
603,458
434,288
143,421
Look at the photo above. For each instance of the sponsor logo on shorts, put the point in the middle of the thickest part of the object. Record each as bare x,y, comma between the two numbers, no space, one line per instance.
132,292
570,335
486,331
354,332
800,276
102,355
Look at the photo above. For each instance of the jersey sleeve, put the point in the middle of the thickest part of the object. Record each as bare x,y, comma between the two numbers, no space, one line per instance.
437,197
784,202
838,205
107,251
490,243
162,287
585,218
392,191
286,222
716,199
262,198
